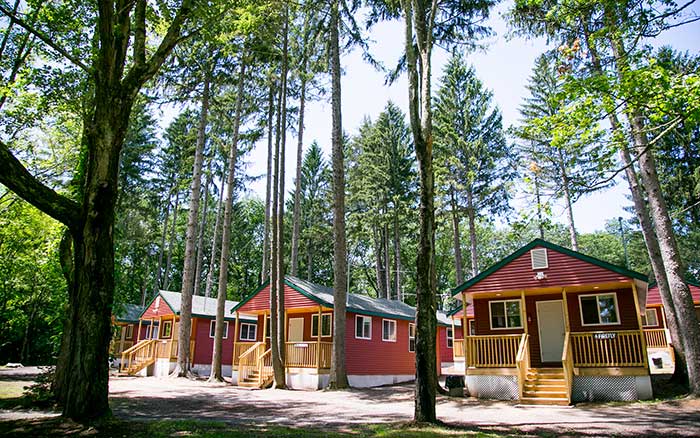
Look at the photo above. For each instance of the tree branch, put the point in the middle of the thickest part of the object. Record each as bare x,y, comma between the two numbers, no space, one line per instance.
13,18
18,179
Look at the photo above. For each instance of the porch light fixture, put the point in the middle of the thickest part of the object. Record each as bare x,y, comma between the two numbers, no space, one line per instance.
540,276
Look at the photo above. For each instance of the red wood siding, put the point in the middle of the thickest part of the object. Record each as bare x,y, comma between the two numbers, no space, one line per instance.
292,299
563,270
445,352
155,313
204,344
654,297
483,324
626,310
659,318
376,357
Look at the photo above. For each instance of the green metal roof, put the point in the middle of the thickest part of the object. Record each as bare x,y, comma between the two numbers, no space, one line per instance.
126,312
549,245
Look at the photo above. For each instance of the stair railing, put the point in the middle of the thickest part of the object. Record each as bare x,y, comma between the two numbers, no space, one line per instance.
522,362
138,356
567,362
264,367
248,361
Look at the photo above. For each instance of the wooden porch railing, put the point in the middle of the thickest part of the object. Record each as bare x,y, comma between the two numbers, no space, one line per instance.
492,351
522,361
249,360
567,362
168,348
239,349
265,370
138,356
608,349
307,354
656,338
458,349
116,348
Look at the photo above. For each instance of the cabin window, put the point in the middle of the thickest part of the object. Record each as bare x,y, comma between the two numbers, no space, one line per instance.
649,318
248,332
538,257
505,314
599,309
326,325
212,329
167,329
129,331
363,327
450,337
388,330
267,328
472,327
411,337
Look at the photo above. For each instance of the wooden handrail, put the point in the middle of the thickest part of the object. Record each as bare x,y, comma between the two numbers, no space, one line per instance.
522,362
656,338
135,357
239,349
622,348
491,351
567,362
265,370
249,360
306,355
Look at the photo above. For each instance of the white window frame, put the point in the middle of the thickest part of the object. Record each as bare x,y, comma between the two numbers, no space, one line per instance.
472,326
212,329
546,258
128,331
248,338
390,321
646,318
617,309
314,325
170,330
411,338
363,317
505,312
450,337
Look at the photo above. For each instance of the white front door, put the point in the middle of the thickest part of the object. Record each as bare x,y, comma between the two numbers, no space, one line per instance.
551,326
296,330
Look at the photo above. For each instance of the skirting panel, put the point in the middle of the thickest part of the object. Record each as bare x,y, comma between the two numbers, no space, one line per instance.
494,387
611,388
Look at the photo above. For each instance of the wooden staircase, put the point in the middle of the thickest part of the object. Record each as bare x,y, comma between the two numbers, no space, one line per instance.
545,386
255,367
255,381
138,357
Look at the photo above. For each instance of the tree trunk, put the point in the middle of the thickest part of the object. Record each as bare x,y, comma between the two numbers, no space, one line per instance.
296,218
456,240
569,205
216,375
215,239
387,262
338,378
182,368
397,257
309,260
472,234
200,237
540,223
159,271
265,270
378,263
171,243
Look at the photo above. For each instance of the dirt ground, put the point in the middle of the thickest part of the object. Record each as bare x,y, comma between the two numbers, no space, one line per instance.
153,398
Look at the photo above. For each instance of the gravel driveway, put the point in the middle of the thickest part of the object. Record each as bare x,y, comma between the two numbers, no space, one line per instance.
164,398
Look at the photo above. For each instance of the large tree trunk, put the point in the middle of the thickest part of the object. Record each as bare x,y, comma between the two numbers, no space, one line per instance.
338,378
171,242
456,239
471,216
200,237
161,251
265,270
226,233
215,239
182,368
296,218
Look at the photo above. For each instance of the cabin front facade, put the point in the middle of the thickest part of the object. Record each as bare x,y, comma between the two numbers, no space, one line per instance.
156,347
661,356
554,326
126,333
379,338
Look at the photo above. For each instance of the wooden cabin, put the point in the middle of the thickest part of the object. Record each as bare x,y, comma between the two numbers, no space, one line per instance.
661,356
458,315
156,348
126,323
555,326
380,338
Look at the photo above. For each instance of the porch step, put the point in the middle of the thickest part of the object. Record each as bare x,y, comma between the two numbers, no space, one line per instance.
545,386
544,401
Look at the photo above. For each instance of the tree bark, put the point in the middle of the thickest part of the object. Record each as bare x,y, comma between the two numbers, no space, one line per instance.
159,271
296,218
456,240
216,375
387,262
182,368
200,237
171,243
397,256
338,378
471,213
265,270
378,262
215,239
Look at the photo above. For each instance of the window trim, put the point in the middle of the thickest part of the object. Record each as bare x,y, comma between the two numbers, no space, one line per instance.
450,337
396,327
129,331
617,309
646,318
248,339
212,327
520,311
168,323
410,324
315,325
363,317
471,323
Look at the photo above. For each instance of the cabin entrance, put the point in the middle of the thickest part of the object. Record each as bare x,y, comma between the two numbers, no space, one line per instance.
552,330
296,329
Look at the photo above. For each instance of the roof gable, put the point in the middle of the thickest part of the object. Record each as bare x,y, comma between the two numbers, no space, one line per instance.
570,267
202,307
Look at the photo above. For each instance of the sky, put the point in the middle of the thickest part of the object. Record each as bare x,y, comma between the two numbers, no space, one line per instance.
504,67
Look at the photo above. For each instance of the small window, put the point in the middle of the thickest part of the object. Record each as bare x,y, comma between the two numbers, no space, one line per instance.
267,328
326,325
167,329
388,330
505,314
539,258
649,318
129,331
212,329
450,337
363,327
600,309
411,337
472,327
248,332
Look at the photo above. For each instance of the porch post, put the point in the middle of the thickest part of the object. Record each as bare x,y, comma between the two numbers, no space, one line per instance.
138,334
566,309
524,310
284,335
645,355
264,332
234,361
318,341
465,326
